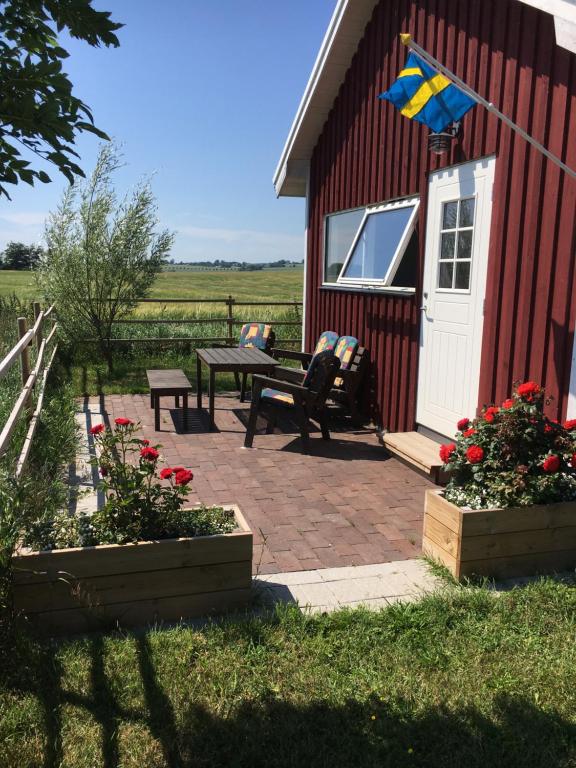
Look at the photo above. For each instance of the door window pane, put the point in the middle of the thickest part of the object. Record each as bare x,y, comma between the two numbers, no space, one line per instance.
445,274
462,281
377,244
447,246
456,240
341,229
466,212
450,212
465,244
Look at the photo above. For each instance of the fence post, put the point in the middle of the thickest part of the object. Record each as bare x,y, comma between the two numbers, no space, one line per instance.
37,310
230,320
25,360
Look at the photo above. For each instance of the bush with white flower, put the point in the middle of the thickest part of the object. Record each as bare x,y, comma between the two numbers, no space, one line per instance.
512,455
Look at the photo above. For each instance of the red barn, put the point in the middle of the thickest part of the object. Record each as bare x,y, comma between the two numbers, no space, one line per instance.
456,271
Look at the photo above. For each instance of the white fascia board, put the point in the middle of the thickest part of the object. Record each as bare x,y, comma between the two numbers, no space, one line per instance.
338,47
564,12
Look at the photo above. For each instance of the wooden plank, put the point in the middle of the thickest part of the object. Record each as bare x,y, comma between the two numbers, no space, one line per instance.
518,543
482,522
88,562
15,352
25,452
414,447
446,513
141,613
114,588
520,565
433,550
442,535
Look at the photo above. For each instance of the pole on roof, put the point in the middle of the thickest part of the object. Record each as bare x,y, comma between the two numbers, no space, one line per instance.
407,41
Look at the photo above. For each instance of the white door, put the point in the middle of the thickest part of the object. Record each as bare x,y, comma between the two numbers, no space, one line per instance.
456,256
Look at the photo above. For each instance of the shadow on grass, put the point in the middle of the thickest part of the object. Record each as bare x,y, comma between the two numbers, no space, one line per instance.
270,733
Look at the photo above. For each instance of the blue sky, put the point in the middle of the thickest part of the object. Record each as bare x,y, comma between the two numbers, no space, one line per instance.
201,93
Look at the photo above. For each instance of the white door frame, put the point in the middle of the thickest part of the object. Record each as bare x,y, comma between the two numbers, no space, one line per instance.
458,314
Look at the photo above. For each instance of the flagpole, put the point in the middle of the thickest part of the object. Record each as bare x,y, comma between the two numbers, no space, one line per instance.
407,40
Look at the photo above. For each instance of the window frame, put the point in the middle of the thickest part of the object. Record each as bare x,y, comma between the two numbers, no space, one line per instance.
384,283
456,260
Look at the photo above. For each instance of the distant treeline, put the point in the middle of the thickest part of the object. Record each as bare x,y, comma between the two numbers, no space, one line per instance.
235,266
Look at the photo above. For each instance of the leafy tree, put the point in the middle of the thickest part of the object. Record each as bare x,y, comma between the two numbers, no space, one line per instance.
102,255
38,110
20,256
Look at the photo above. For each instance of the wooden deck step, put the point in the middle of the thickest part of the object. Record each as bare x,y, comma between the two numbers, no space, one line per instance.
417,450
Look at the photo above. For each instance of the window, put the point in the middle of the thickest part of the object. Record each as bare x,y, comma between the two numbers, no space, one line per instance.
372,246
341,229
457,229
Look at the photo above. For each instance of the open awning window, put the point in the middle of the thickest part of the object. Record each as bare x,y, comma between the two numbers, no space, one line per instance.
367,246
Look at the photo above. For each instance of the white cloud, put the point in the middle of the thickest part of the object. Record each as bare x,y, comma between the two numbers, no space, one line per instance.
25,218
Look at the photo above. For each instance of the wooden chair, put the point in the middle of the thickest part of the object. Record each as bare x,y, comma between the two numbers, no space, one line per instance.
307,400
354,363
258,335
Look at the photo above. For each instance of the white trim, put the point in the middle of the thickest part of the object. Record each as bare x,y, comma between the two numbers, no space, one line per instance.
304,280
336,51
571,406
398,253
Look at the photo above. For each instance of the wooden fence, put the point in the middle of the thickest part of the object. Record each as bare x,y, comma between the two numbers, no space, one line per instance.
31,377
230,321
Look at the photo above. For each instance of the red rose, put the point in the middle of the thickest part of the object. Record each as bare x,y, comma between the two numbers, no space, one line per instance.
469,432
97,428
103,471
145,442
489,413
573,460
551,464
475,454
121,421
529,390
149,454
178,469
463,424
570,424
183,477
446,452
166,473
508,403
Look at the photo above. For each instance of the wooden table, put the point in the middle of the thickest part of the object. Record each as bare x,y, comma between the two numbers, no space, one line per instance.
231,360
168,382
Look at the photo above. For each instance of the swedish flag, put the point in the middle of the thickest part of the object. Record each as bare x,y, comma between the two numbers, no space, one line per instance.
422,94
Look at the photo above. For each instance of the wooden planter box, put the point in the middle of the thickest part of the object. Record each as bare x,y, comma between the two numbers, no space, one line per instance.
502,543
127,585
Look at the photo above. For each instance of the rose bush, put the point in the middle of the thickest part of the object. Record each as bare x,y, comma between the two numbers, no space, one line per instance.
139,507
512,455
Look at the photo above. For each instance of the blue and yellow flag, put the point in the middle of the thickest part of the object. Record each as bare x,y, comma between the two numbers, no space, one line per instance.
422,94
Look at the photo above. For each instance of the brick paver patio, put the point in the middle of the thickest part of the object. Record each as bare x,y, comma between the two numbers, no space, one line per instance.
347,503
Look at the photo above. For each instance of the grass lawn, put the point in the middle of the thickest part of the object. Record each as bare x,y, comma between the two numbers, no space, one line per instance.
465,679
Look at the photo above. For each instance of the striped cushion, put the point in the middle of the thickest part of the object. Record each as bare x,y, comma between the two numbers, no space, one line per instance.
255,335
345,350
278,396
326,341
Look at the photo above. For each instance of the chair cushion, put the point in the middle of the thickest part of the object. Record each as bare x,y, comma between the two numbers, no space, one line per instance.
326,341
255,335
345,350
277,395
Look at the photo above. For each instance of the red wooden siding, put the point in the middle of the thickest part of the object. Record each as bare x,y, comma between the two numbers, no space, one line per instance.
369,153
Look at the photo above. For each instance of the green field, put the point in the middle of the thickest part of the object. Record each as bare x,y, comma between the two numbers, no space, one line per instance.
270,284
90,376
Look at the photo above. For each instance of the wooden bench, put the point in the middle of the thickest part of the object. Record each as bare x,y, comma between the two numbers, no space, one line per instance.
168,382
